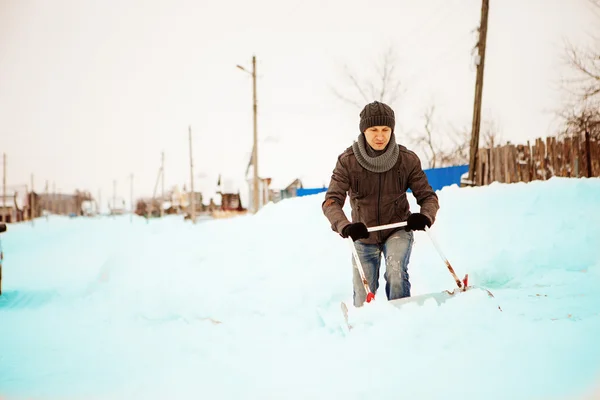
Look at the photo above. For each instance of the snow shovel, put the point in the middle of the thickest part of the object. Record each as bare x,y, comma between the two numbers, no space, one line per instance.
438,297
441,297
462,285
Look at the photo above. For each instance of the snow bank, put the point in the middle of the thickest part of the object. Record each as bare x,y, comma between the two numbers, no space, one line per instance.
248,307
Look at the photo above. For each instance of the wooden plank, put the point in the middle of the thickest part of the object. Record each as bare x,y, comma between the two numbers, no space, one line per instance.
543,168
498,164
576,157
509,164
492,165
494,177
485,175
556,153
559,158
532,173
528,165
595,153
551,151
480,168
514,155
519,162
539,161
549,164
536,160
581,153
505,164
583,144
567,152
592,157
483,167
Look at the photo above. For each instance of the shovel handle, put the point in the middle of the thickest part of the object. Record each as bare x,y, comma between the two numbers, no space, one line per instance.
370,295
461,284
388,226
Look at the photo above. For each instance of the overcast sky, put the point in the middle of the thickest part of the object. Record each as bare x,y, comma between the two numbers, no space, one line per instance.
92,91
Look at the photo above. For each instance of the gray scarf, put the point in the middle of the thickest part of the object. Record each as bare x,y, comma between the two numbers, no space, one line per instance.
373,160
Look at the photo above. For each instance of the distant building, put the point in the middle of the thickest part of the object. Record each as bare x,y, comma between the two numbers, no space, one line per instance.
176,202
296,188
63,204
13,208
291,189
264,192
18,206
231,202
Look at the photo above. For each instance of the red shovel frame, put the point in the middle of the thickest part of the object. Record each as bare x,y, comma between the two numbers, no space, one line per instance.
462,285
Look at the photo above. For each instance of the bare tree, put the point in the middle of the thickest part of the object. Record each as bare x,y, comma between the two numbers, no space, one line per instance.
385,87
584,63
581,119
581,111
456,149
426,139
457,153
490,134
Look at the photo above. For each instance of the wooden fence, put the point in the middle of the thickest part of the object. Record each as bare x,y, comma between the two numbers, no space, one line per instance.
569,157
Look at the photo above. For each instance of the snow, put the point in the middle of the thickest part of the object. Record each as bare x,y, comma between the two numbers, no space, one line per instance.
250,307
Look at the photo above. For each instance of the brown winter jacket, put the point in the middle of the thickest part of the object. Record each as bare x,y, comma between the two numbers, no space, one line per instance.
377,198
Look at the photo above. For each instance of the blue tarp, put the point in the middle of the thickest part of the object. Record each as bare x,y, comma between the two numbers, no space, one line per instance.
438,178
309,191
441,177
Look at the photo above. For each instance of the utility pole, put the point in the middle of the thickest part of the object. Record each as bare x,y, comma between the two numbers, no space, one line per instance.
4,189
192,194
54,207
47,200
478,91
131,198
162,179
32,203
255,186
114,196
255,140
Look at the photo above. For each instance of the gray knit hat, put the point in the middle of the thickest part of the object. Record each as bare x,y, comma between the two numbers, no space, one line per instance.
377,114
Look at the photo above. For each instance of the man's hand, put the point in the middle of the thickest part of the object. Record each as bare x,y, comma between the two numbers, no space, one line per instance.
417,222
356,231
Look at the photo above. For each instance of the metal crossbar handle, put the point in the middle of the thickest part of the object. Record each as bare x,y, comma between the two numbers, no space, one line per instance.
388,226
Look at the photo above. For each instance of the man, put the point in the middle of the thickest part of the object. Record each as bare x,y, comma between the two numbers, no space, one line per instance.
376,172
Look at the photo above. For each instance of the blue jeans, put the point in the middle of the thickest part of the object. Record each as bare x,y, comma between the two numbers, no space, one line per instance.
396,250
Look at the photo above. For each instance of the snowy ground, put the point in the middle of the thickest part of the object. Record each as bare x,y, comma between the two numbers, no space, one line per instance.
247,307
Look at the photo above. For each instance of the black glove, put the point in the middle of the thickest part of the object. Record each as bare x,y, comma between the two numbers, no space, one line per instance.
356,231
417,222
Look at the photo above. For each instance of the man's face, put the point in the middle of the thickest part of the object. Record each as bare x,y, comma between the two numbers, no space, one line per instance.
378,136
